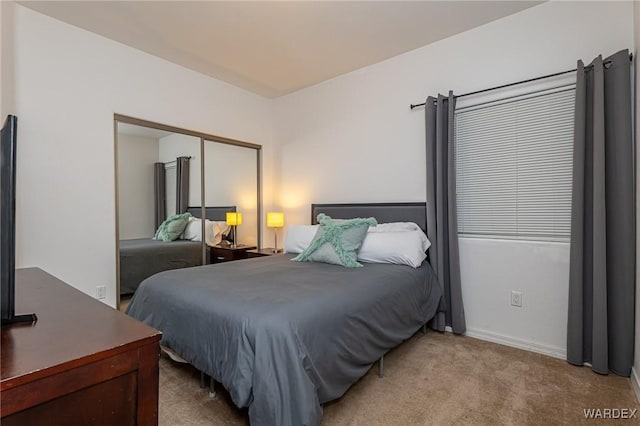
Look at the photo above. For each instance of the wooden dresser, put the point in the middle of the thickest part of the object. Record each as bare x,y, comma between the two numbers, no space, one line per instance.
81,363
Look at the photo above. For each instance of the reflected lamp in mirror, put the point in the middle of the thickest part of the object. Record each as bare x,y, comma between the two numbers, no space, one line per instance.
275,220
234,219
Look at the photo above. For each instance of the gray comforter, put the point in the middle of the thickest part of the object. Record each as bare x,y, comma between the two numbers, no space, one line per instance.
140,258
284,337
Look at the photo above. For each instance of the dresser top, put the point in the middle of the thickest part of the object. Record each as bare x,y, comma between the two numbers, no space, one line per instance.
73,329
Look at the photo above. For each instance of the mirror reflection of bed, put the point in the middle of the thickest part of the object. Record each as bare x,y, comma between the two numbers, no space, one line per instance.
141,258
163,194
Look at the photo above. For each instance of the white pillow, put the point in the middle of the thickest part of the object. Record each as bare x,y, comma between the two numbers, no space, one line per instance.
219,229
299,237
214,230
406,247
394,227
192,230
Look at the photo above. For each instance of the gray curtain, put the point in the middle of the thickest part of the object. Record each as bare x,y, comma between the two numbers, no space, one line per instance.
442,218
160,213
602,262
182,184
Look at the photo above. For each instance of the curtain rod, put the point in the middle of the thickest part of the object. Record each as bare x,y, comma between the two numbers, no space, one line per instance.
413,106
175,161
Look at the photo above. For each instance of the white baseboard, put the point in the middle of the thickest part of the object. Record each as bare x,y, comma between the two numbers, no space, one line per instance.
538,348
555,352
635,383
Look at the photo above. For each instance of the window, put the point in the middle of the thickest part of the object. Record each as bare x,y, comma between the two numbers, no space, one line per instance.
514,167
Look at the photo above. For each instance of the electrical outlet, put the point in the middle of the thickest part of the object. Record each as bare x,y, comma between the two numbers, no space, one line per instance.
101,292
516,299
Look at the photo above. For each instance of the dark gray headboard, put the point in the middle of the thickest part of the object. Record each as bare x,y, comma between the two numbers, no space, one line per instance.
212,213
383,212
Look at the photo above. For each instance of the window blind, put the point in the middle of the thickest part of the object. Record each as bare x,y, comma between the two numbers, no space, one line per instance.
514,167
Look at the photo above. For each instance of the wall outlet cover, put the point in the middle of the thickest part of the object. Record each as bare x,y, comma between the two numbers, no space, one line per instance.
101,292
516,299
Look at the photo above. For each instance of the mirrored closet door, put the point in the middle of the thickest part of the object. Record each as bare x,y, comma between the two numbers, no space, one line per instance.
230,178
167,180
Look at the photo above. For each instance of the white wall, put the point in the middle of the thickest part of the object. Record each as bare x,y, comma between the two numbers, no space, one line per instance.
136,204
354,139
6,67
68,85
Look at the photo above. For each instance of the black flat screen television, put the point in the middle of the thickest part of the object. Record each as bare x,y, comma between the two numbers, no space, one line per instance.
8,145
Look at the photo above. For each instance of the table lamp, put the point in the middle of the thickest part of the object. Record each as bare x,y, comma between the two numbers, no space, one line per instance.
234,219
275,220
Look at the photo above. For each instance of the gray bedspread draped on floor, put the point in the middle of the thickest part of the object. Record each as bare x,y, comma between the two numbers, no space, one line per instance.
284,337
602,261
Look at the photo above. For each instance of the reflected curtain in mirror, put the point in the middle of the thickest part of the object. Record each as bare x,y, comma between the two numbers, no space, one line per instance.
182,184
160,213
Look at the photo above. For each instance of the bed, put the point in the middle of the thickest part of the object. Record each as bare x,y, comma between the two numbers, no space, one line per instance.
285,337
143,257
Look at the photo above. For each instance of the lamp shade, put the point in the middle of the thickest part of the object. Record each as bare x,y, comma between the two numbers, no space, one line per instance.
275,219
234,218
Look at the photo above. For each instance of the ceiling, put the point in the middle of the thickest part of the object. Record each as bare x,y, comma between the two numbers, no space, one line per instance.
276,47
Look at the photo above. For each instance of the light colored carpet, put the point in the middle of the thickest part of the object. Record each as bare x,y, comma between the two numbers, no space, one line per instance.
432,379
124,302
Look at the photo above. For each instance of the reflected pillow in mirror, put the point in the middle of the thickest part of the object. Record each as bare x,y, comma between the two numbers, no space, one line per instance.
192,230
172,227
214,230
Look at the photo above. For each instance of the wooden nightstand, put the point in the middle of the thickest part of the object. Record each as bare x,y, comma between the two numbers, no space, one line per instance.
262,252
219,254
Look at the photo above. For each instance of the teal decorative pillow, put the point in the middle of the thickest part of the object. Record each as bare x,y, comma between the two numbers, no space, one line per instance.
170,229
337,241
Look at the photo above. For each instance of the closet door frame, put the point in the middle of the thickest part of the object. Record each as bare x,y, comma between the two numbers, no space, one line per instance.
204,137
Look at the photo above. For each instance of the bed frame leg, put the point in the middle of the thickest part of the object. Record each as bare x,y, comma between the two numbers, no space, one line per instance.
424,328
203,379
212,384
212,388
381,367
